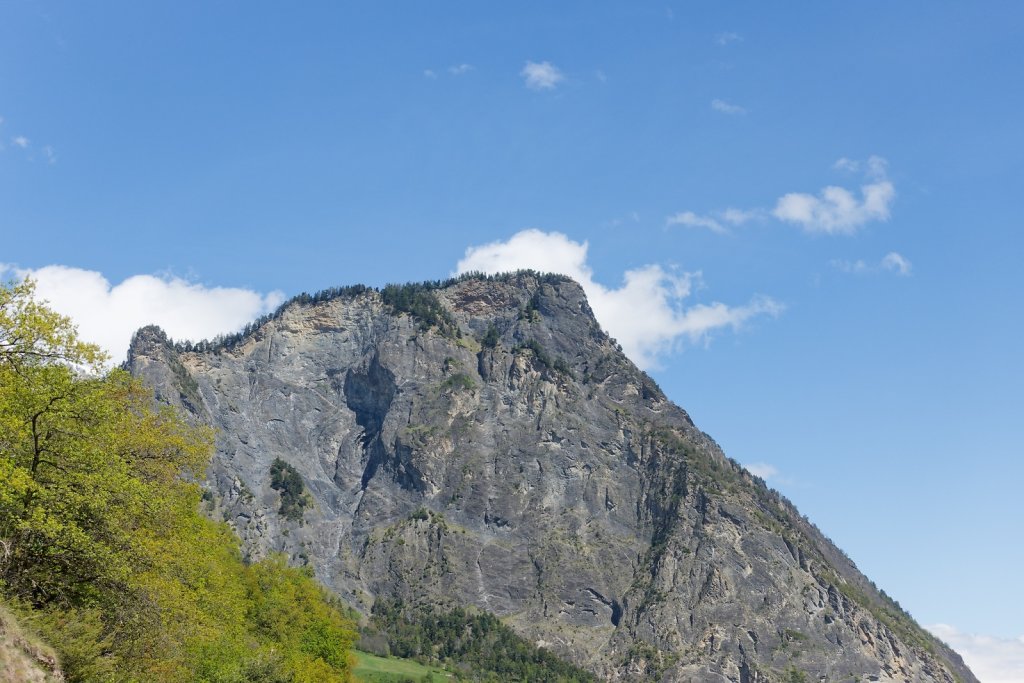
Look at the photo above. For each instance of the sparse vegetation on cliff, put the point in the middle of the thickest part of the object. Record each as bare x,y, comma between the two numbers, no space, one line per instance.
287,481
420,302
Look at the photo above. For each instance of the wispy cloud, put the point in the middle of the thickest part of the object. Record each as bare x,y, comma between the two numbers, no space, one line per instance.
844,164
897,263
727,108
429,73
892,262
50,154
715,222
993,660
740,216
460,69
108,314
876,168
647,314
21,141
836,210
541,75
762,469
689,219
728,37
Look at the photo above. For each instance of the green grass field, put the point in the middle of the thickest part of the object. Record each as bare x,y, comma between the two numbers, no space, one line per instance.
374,669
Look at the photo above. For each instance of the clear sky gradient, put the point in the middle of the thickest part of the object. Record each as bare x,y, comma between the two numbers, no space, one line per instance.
865,352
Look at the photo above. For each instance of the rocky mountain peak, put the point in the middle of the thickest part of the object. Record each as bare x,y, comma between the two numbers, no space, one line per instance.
482,442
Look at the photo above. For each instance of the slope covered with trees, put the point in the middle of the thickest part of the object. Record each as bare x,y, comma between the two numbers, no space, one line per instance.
103,551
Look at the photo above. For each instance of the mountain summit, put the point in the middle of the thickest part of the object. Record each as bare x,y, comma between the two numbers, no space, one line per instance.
481,442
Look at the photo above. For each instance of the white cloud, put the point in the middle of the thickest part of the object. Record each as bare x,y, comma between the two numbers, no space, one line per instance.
993,660
740,216
726,108
21,141
460,69
896,262
844,164
109,314
891,262
727,37
877,168
645,314
541,76
762,469
715,221
51,155
691,220
836,211
429,73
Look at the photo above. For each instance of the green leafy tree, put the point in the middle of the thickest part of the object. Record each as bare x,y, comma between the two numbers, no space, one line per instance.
102,546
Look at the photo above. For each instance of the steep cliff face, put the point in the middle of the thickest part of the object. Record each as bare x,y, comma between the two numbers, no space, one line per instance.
483,442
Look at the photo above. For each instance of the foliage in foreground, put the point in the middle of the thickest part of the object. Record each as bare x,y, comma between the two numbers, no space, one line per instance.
475,645
103,551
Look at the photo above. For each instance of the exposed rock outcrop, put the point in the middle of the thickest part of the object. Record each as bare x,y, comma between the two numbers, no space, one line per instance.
23,658
506,455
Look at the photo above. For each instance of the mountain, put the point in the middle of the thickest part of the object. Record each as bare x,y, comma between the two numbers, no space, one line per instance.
482,442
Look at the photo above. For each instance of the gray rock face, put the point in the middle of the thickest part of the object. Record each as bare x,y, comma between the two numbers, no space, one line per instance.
524,466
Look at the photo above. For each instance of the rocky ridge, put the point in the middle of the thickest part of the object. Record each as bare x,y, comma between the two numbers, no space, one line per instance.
483,442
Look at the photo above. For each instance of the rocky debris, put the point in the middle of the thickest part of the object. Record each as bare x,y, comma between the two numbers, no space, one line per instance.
23,659
517,462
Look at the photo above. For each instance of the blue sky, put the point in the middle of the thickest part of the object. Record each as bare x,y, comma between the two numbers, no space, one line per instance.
197,161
